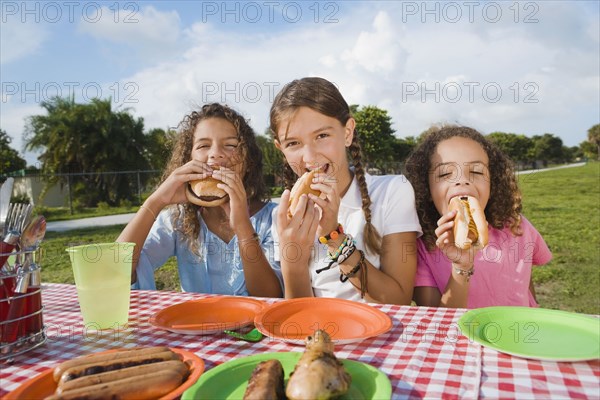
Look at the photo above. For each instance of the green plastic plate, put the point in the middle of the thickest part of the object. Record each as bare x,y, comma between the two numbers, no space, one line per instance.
534,333
229,380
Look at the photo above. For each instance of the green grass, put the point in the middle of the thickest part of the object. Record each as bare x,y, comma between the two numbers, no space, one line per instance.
564,207
562,204
56,266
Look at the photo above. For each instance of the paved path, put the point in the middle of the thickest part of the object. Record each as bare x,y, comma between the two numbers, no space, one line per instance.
122,219
533,171
61,226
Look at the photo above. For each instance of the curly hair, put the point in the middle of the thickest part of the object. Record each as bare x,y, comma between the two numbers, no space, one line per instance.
248,152
504,206
322,96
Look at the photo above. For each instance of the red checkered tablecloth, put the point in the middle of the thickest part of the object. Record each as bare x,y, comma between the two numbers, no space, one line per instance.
424,355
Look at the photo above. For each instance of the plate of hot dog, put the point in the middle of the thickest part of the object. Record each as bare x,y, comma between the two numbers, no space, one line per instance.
208,316
140,373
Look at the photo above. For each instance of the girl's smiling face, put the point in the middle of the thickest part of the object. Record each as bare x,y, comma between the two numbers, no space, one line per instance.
458,166
311,140
216,142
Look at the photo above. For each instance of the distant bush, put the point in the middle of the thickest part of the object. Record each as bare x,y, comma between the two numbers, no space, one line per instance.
276,191
125,203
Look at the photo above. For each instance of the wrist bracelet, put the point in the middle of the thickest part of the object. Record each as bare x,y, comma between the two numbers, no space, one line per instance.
254,237
332,235
348,242
467,273
149,210
345,276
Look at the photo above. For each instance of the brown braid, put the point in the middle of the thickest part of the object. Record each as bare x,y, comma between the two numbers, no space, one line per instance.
372,237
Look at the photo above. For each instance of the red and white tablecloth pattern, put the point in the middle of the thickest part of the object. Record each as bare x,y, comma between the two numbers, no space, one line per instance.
424,355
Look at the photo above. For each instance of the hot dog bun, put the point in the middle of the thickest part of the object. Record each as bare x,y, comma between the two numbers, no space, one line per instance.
110,376
470,225
98,358
205,193
144,373
111,365
149,386
302,186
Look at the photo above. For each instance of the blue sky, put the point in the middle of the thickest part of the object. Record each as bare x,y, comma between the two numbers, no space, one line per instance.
523,67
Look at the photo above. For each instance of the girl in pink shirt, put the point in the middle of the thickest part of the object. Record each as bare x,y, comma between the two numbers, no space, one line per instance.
453,161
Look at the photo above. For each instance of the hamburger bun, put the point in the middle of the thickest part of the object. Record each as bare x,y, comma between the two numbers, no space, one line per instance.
205,193
470,225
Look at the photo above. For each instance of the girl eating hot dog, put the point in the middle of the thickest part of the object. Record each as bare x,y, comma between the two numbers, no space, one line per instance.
356,240
459,162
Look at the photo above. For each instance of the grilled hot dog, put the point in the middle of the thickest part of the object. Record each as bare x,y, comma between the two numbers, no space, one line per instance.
97,358
149,386
470,225
111,376
266,382
119,363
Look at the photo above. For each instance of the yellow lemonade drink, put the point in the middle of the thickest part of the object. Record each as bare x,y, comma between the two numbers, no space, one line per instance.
102,275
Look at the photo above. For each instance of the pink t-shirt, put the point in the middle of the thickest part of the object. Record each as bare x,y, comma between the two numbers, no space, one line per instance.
502,268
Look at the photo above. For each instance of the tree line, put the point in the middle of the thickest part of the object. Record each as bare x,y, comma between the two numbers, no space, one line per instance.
81,144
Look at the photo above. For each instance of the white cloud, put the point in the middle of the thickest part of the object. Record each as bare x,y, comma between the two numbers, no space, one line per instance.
375,64
372,57
147,32
19,39
378,50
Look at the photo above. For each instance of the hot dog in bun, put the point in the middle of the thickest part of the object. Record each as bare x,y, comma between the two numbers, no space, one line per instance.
302,186
470,225
205,193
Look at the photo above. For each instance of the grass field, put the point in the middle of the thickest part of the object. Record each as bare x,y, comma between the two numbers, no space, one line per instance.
564,206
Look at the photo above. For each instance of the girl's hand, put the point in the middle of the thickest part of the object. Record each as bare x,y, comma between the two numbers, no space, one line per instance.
329,205
297,233
445,242
237,206
172,190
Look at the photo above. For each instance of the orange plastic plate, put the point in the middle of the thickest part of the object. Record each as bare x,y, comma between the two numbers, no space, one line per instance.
208,316
43,385
344,320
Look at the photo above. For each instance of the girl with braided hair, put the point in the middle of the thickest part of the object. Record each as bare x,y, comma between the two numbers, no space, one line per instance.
225,249
357,240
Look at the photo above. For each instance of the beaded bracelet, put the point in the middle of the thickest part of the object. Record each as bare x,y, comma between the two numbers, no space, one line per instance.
348,242
346,253
467,273
332,235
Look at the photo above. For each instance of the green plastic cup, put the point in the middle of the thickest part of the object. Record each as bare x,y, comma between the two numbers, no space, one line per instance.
102,274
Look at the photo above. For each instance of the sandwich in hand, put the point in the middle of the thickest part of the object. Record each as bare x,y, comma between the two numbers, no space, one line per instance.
302,186
205,193
470,225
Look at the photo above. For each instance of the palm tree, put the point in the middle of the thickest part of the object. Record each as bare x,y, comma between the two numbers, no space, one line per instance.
89,140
